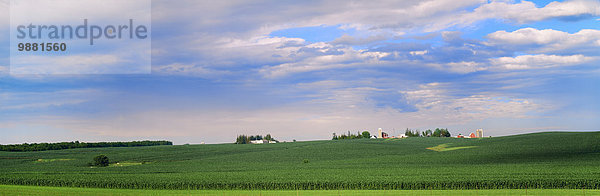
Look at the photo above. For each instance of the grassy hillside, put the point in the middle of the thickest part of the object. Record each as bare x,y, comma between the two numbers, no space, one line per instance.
541,160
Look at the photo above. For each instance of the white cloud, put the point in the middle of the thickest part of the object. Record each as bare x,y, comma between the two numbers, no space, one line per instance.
418,52
465,67
539,61
548,40
527,11
224,38
347,57
216,51
527,36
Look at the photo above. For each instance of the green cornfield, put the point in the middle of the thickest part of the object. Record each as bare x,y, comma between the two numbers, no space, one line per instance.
556,160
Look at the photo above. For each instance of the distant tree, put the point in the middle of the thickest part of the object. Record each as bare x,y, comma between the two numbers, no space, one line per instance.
101,161
343,136
77,144
242,139
366,134
437,133
427,133
268,137
441,133
411,133
446,133
358,135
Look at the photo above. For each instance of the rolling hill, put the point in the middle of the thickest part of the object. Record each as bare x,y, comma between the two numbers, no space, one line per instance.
539,160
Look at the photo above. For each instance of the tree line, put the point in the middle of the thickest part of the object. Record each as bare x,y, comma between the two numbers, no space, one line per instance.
245,139
76,144
364,134
438,132
428,133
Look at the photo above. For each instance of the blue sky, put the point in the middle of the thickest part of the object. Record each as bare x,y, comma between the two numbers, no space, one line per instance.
303,70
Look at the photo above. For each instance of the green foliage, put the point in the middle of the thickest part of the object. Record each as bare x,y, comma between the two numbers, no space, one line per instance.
101,161
366,134
76,144
411,133
269,138
242,139
305,161
441,133
532,161
350,136
427,133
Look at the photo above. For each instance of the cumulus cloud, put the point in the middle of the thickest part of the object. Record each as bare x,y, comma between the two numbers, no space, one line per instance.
225,38
465,67
347,57
539,61
527,11
548,40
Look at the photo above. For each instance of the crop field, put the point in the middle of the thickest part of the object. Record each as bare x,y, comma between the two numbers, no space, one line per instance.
40,190
556,160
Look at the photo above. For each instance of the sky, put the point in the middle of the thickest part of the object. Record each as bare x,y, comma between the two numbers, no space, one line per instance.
306,69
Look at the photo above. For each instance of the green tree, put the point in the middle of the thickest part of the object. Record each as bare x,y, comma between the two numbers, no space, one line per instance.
242,139
427,133
101,161
411,133
441,133
366,134
446,133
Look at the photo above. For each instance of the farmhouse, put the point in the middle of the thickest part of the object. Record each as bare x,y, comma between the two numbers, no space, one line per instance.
472,135
262,142
478,134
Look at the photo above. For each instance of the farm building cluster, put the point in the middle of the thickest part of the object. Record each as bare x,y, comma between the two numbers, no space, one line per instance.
262,141
477,134
381,134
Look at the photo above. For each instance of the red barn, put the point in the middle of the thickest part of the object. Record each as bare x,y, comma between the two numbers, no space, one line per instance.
472,135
